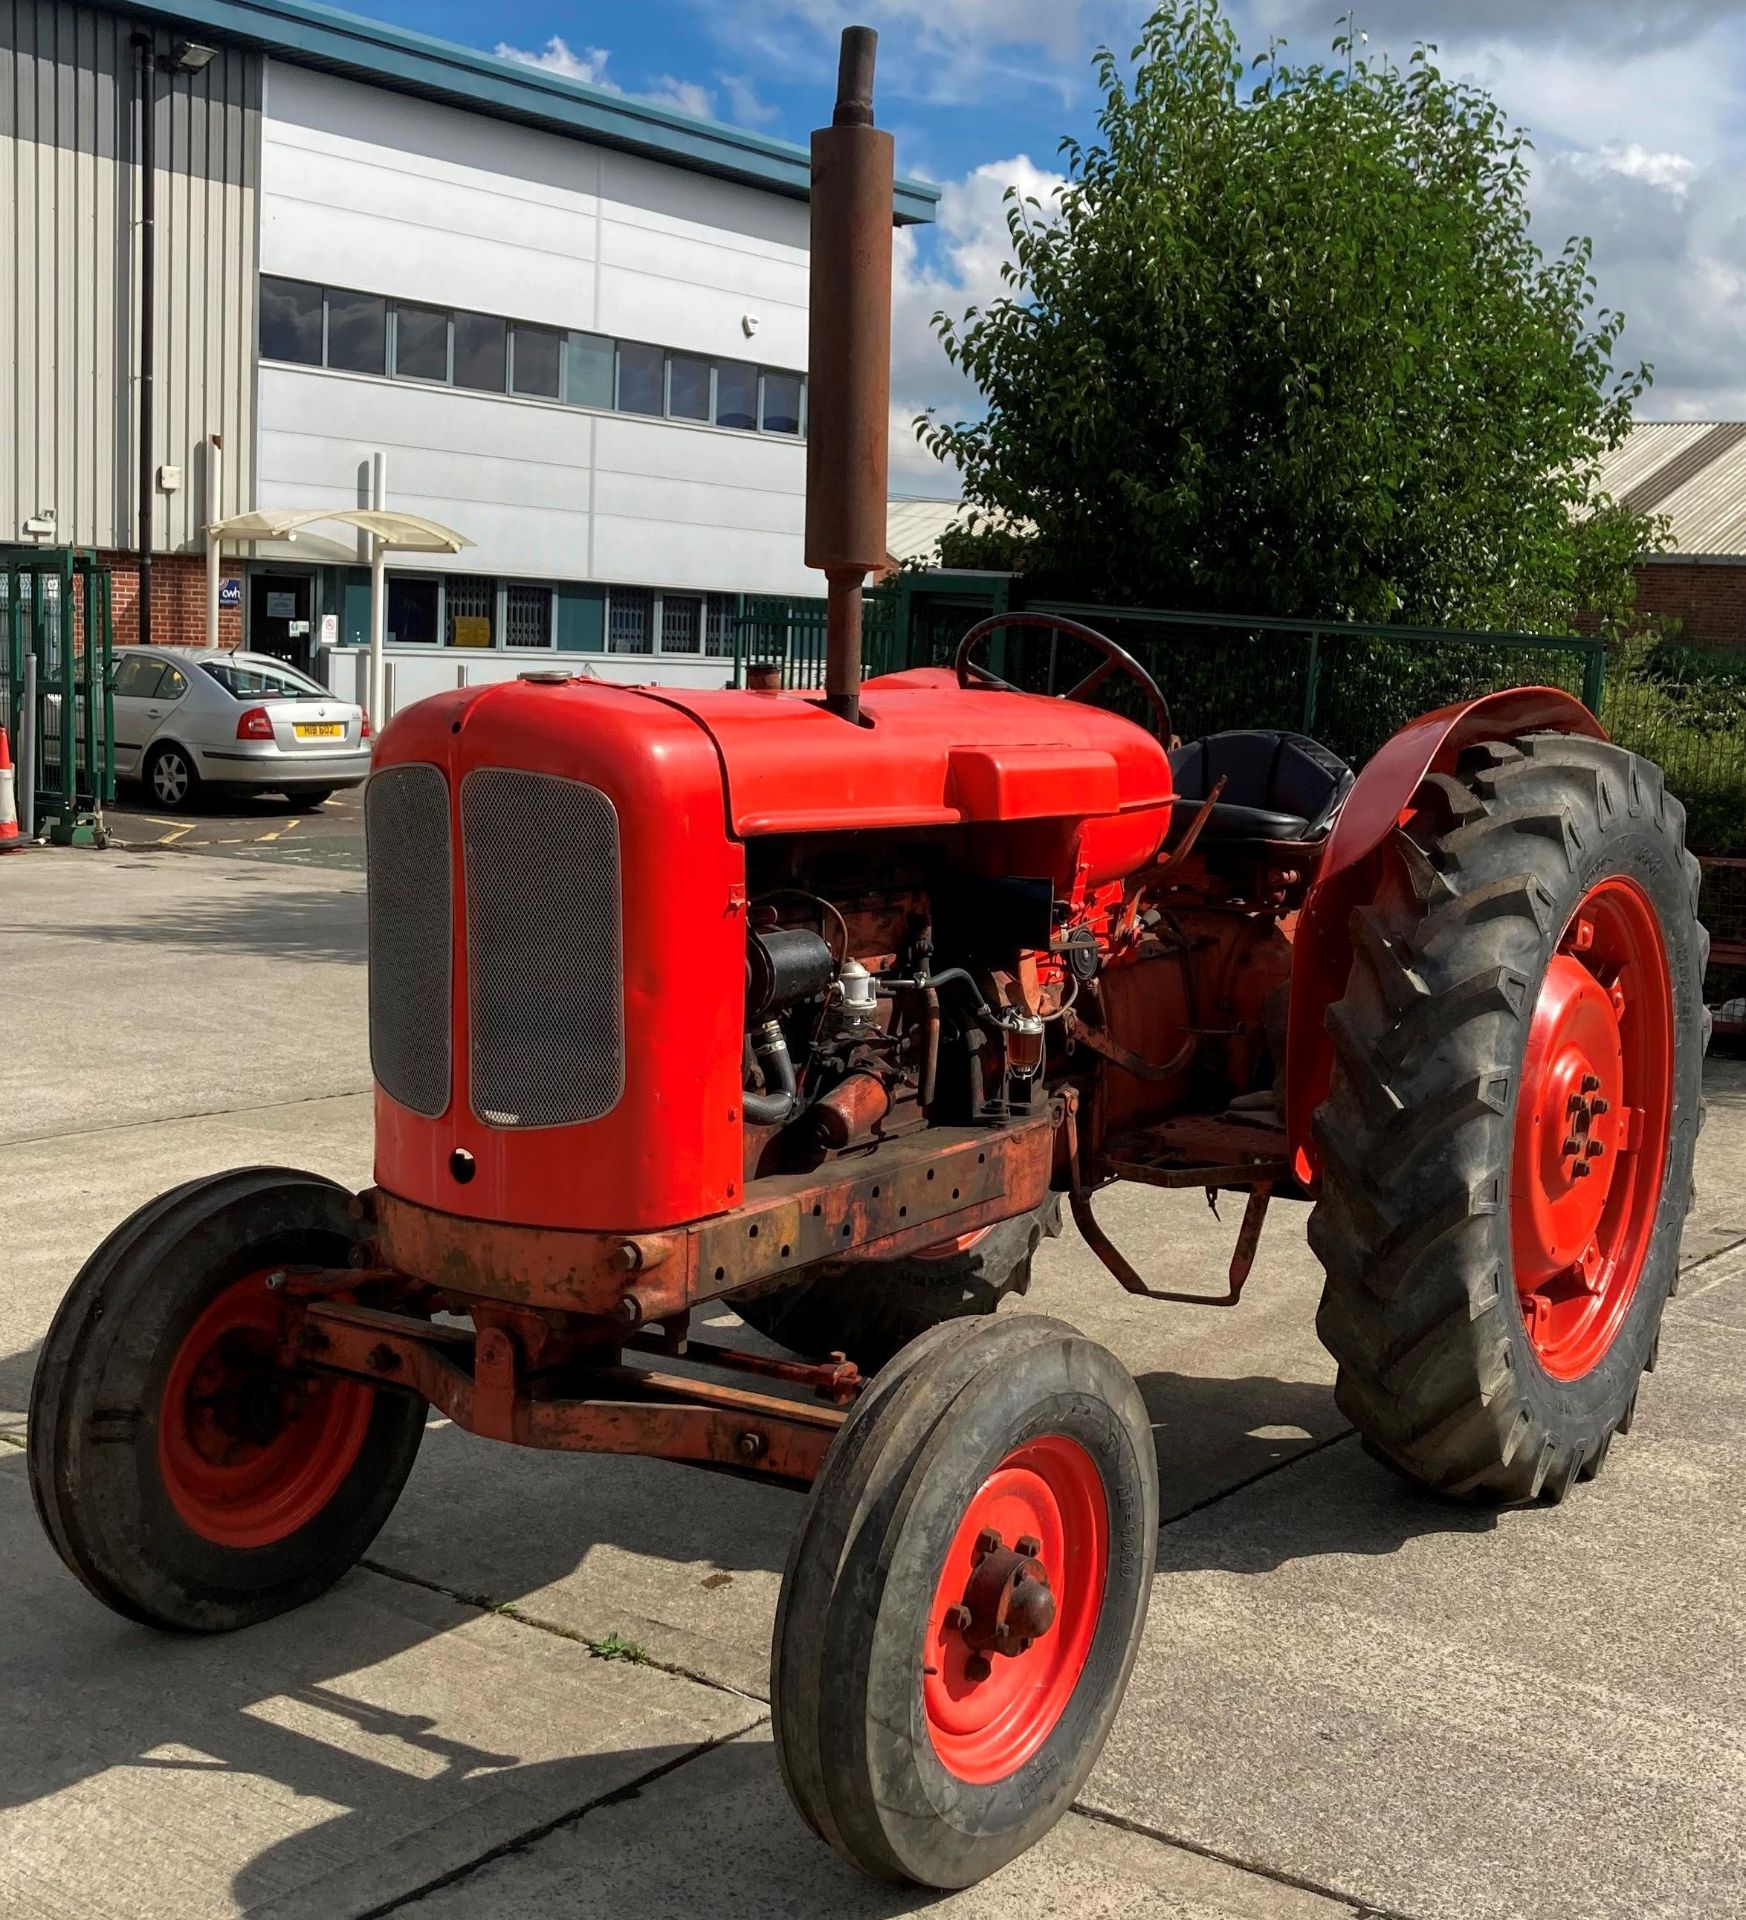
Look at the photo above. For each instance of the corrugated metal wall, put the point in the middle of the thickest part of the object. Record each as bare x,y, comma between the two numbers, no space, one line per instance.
69,271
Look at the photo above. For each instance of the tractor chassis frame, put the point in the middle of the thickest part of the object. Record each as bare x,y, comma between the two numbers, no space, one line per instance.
554,1310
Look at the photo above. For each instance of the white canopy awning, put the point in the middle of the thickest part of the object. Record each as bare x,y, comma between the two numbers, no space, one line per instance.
398,532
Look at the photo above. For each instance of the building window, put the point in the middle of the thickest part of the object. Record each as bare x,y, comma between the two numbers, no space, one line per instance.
627,620
719,624
471,601
687,387
781,403
588,370
641,373
351,332
538,352
357,332
421,343
736,396
527,615
681,623
412,611
290,321
480,352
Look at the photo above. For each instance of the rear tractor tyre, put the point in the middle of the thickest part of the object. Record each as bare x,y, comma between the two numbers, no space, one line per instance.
964,1599
869,1309
1507,1141
188,1477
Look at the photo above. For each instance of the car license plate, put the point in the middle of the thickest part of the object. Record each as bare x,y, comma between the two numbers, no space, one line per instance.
319,730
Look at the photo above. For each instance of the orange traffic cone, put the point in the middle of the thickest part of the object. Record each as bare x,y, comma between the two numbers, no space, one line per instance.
9,837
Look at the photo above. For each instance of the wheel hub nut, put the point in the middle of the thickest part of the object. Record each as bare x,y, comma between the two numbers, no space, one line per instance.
1008,1601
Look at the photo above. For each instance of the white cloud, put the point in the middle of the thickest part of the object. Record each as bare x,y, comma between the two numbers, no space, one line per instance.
681,96
557,56
956,267
589,66
743,102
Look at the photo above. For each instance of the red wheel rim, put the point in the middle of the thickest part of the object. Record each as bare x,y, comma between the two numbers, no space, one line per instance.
1592,1127
249,1451
1047,1492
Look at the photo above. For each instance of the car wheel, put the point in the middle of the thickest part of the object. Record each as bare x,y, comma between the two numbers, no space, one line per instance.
171,778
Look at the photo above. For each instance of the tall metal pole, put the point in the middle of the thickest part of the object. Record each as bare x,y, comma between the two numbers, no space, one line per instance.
849,361
148,317
214,461
378,591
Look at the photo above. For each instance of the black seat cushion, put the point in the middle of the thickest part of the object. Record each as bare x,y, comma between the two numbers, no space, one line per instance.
1278,786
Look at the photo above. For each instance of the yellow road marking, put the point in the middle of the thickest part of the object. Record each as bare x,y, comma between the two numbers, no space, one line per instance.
170,839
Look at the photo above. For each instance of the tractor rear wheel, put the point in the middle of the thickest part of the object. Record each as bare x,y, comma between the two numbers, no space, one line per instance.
964,1599
1506,1146
869,1309
187,1476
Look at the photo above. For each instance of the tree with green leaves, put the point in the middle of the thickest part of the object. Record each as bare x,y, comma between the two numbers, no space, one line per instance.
1285,344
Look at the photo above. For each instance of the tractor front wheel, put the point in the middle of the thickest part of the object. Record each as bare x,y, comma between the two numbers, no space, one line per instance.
1506,1146
964,1599
187,1475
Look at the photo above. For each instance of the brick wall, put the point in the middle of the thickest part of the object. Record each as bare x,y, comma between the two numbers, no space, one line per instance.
178,601
1708,595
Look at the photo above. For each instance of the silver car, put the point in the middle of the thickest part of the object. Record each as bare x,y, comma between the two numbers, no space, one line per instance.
192,716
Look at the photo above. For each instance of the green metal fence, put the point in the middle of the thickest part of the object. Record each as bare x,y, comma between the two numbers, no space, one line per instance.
55,615
790,635
1350,686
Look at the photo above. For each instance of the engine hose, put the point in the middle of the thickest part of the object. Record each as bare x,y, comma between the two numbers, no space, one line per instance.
959,976
771,1109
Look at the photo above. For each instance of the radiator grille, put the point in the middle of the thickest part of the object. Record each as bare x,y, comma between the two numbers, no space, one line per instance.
543,949
406,835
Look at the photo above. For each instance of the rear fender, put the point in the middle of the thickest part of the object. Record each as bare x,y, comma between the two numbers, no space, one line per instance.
1352,868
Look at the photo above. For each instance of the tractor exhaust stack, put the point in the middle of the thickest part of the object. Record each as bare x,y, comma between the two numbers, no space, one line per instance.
849,361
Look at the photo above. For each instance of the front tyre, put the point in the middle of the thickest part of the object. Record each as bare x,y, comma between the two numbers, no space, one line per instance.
185,1474
1507,1140
964,1599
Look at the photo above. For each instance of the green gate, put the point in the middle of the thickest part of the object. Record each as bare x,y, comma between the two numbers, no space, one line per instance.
56,644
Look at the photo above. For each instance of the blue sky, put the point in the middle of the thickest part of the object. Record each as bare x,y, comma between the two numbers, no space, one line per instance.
1638,108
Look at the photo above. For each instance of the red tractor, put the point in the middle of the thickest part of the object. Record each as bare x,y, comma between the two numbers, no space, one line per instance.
823,1005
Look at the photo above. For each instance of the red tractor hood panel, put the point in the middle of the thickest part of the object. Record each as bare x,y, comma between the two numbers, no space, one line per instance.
929,753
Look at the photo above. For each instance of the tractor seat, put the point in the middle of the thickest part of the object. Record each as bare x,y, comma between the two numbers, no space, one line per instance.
1278,786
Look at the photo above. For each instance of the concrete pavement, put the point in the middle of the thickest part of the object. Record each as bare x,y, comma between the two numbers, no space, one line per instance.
1351,1699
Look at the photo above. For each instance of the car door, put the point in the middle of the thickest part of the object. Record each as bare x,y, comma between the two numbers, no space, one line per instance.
137,679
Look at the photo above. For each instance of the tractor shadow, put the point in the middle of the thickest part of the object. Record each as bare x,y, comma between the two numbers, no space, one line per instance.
1257,1472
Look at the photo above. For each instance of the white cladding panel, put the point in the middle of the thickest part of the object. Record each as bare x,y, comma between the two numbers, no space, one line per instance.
374,190
546,491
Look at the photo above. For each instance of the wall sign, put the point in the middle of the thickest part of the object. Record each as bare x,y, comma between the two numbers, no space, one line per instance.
330,629
281,606
472,630
230,593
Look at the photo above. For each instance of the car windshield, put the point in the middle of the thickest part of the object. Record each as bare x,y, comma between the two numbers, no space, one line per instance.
260,680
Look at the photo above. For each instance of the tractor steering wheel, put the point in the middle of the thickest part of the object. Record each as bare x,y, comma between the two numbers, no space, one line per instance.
1114,659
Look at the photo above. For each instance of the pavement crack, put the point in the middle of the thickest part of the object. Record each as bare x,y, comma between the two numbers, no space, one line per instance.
1362,1909
173,1119
1262,1473
533,1835
602,1647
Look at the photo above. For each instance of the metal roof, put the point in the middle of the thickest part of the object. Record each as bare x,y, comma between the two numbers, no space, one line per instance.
913,527
1694,473
386,56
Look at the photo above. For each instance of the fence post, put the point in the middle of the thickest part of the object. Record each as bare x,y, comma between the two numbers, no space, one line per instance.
1312,684
1594,675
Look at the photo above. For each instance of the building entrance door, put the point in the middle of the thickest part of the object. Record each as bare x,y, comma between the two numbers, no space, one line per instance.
281,619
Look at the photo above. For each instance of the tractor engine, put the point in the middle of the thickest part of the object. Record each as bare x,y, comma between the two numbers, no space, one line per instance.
633,949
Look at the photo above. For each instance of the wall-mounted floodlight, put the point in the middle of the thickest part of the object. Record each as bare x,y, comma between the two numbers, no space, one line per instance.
187,56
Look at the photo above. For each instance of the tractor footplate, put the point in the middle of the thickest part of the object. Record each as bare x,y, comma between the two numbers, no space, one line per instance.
1197,1150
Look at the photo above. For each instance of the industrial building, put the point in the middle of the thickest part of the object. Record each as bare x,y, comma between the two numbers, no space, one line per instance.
268,262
